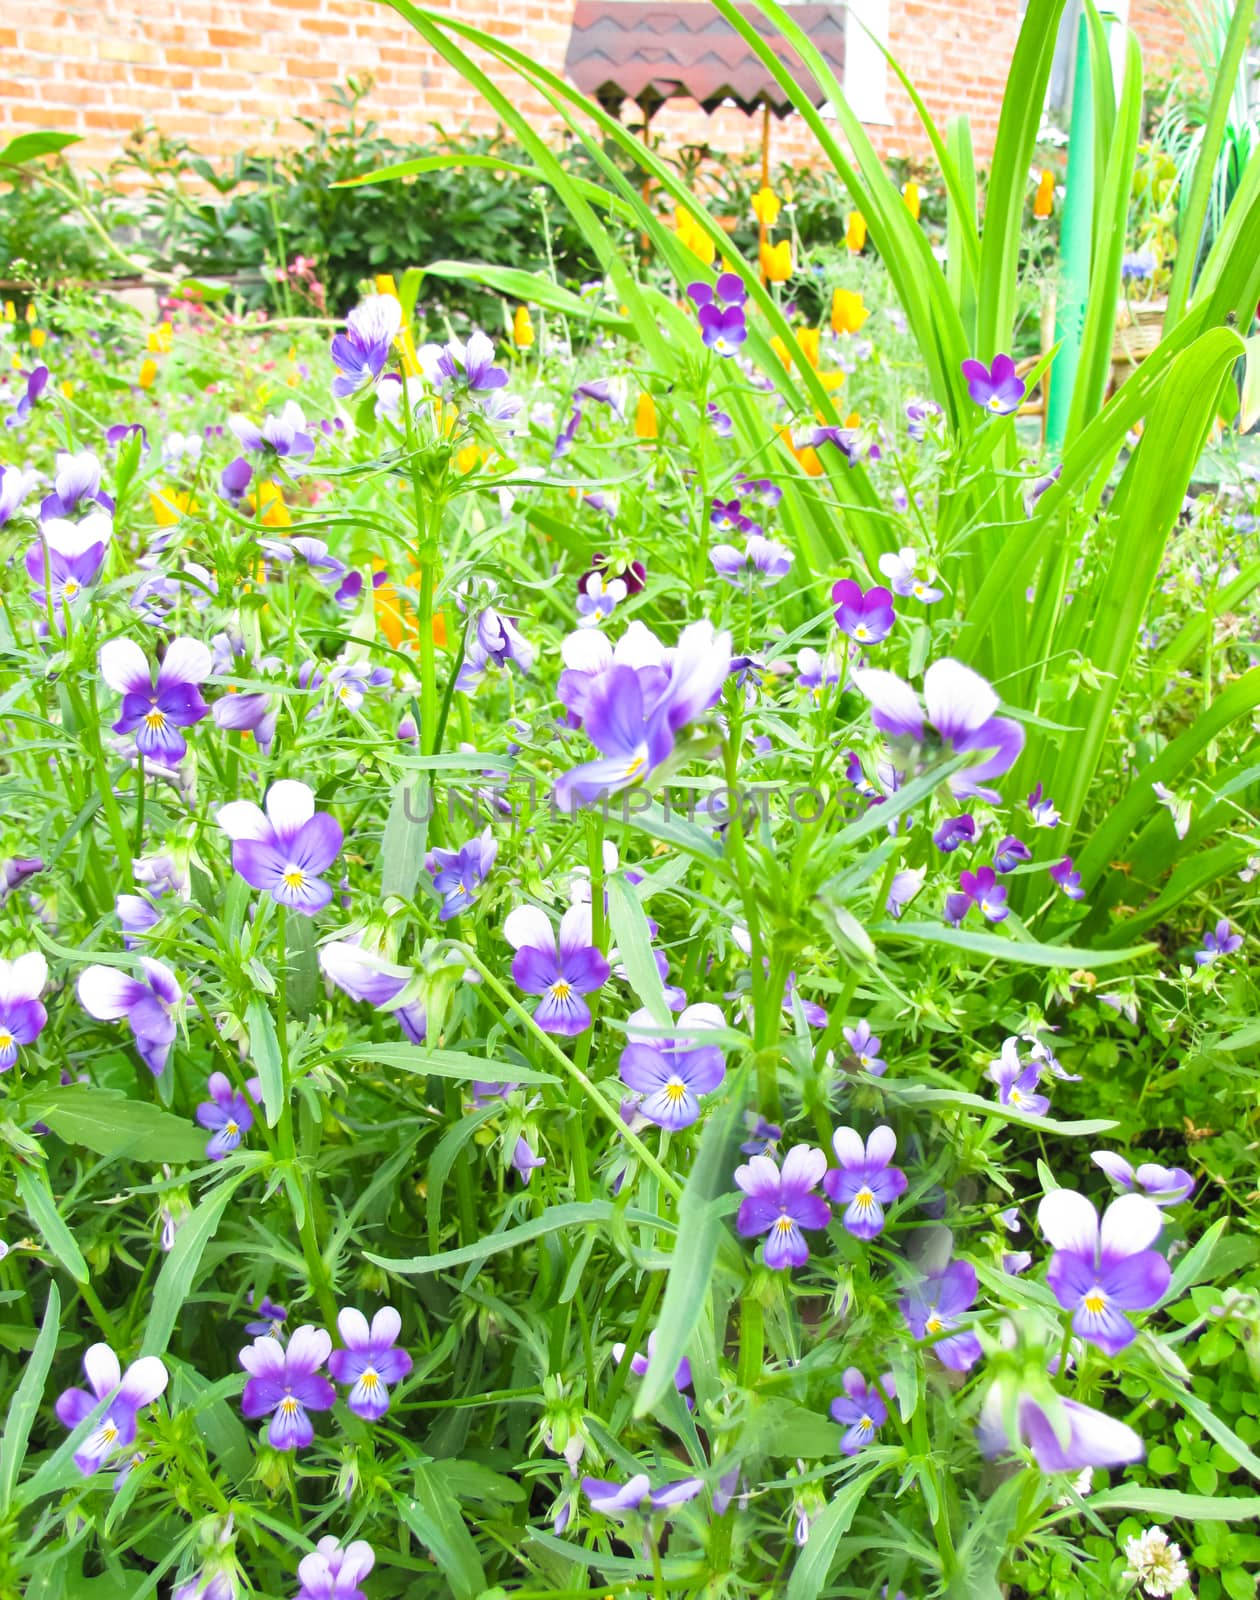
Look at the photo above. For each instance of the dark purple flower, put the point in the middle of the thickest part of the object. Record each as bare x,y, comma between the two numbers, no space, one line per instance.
36,383
958,707
457,874
723,329
1166,1186
1010,853
1067,879
561,973
617,1499
284,436
763,1135
866,616
1017,1083
866,1047
271,1318
935,1304
864,1182
954,832
605,392
1098,1272
763,489
371,1360
1221,941
228,1115
492,637
22,1013
979,888
155,710
781,1204
720,421
1063,1435
672,1073
285,1384
235,479
248,713
148,1006
117,432
128,1394
860,1411
360,353
366,976
285,850
1045,814
331,1572
996,388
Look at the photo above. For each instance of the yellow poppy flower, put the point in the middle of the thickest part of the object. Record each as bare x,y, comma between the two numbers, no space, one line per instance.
848,311
855,233
1043,200
766,206
645,426
522,328
776,261
910,194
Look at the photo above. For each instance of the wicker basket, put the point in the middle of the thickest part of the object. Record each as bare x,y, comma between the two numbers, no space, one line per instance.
1139,328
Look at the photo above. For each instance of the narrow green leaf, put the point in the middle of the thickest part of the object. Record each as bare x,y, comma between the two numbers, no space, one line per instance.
700,1226
435,1518
37,1197
179,1269
813,1565
404,841
264,1050
1019,952
107,1122
574,1214
30,146
439,1164
443,1063
303,985
26,1400
531,287
1162,1505
634,945
1192,1267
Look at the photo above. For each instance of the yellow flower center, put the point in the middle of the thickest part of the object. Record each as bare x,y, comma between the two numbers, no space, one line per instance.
995,404
561,990
369,1379
6,1041
289,1406
231,1129
636,766
933,1324
69,588
783,1225
864,1199
1015,1097
1095,1302
294,878
675,1091
867,1424
155,719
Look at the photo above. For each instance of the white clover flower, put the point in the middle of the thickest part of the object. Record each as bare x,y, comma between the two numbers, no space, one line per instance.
1156,1564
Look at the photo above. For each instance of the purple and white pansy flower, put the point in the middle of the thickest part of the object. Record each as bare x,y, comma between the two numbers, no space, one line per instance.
22,1013
1100,1270
284,850
371,1360
147,1004
155,708
285,1383
127,1393
781,1204
562,971
865,1181
670,1074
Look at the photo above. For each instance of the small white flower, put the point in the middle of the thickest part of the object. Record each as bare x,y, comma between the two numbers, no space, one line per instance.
1156,1564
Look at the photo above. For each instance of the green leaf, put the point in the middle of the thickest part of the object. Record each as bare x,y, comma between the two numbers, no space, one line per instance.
438,1167
813,1565
1019,952
700,1229
438,1063
26,1400
37,1197
179,1269
435,1518
303,985
1220,1431
107,1122
534,288
1195,1266
264,1050
634,945
30,146
1164,1504
574,1214
403,844
922,1094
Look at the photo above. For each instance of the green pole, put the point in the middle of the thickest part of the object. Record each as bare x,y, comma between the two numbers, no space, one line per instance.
1075,239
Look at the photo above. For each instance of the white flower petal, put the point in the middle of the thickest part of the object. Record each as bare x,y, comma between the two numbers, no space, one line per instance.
125,667
1069,1221
242,819
102,1369
529,925
290,804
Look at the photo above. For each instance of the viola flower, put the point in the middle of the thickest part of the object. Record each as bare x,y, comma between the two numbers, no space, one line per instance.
77,479
371,1360
284,437
1084,1437
780,1204
864,1182
1017,1083
1010,853
248,713
954,832
284,1384
640,1363
598,599
1098,1272
919,413
36,383
617,1499
1221,941
360,353
235,479
672,1073
720,421
867,617
155,710
15,485
817,673
726,514
459,365
902,890
331,1572
860,1410
67,558
366,976
228,1114
1045,814
1166,1186
979,888
1067,879
457,874
996,388
561,973
128,1393
900,568
935,1304
148,1006
22,1013
866,1047
492,637
271,1318
283,850
313,554
350,682
723,328
958,707
761,559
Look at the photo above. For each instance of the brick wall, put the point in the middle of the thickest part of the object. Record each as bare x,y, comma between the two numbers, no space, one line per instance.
226,74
